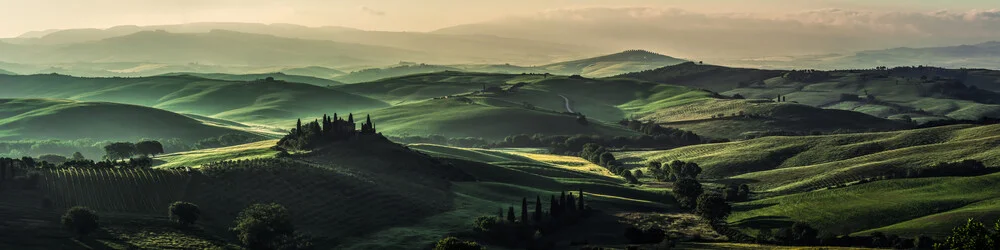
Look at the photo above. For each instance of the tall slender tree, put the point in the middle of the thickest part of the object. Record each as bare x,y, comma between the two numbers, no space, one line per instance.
553,204
570,202
524,210
538,209
298,127
510,214
579,201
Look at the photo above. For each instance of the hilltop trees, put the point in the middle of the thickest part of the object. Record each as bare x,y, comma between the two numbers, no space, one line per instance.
81,221
184,213
329,129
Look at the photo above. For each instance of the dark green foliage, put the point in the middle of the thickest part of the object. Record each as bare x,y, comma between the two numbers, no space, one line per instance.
81,221
570,204
660,133
184,213
262,226
735,193
524,210
486,223
972,235
452,243
119,150
579,201
538,210
226,140
798,234
962,168
149,148
687,191
684,170
713,207
510,215
629,177
554,206
319,132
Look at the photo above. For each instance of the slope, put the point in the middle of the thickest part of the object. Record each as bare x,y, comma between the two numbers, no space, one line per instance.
4,72
314,71
280,76
613,64
44,119
266,102
372,74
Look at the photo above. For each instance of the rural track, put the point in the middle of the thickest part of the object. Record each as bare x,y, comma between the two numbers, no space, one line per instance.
568,108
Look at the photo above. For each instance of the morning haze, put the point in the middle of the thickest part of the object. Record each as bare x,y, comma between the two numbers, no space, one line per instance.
398,124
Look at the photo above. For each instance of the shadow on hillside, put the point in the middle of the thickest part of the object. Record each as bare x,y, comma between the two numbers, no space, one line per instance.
764,222
749,207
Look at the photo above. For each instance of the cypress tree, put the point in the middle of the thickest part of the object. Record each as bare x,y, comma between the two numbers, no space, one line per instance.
552,206
510,214
570,203
350,118
298,127
580,201
562,202
524,210
538,209
500,215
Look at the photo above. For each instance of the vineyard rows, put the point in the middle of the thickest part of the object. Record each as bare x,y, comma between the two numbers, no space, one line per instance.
114,190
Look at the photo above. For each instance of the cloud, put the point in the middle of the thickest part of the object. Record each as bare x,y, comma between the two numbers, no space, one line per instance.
371,11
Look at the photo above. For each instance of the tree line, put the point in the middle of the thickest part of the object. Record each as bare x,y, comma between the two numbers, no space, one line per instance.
535,223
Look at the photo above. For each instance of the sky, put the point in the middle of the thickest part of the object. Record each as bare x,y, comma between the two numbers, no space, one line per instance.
22,16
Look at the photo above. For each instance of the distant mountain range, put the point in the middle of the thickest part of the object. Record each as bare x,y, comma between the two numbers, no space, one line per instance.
983,55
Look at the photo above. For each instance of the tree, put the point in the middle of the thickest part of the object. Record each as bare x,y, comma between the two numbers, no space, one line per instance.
78,157
184,213
713,207
149,148
579,201
452,243
81,221
687,191
510,214
119,150
971,235
524,210
553,206
538,209
261,226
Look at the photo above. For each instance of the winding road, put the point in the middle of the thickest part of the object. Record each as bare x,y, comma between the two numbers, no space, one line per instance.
567,104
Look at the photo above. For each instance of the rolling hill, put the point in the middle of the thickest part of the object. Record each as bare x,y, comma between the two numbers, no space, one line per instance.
917,93
794,179
280,76
314,71
613,64
980,55
372,74
275,103
53,119
4,72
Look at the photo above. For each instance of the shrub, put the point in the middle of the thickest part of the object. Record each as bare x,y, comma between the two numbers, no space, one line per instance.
452,243
687,191
971,235
713,207
263,226
81,221
184,213
486,223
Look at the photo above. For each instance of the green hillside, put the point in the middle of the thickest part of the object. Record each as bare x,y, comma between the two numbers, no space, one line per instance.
489,118
609,100
4,72
254,77
613,64
794,178
372,74
275,103
763,117
919,94
44,119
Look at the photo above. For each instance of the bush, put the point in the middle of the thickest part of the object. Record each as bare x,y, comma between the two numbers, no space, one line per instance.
971,235
687,191
81,221
452,243
264,226
486,223
713,207
184,213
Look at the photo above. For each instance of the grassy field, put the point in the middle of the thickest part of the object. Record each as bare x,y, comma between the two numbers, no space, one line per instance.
489,118
45,119
270,103
197,158
792,176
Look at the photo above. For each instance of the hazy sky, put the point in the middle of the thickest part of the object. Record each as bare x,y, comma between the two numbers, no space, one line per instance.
20,16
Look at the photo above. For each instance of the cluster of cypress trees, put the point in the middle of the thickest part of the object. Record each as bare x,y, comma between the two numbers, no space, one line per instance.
564,205
329,129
